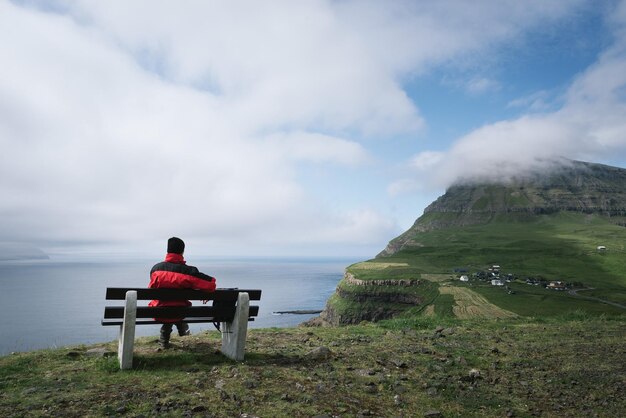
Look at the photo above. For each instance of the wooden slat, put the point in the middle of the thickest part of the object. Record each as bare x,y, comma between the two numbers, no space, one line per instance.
119,293
225,313
153,322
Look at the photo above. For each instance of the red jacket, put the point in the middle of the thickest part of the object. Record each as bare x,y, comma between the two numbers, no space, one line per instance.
175,273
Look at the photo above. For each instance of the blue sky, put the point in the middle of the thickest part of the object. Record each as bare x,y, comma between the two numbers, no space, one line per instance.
287,128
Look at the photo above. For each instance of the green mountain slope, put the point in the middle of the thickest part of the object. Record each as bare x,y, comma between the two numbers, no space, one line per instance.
565,226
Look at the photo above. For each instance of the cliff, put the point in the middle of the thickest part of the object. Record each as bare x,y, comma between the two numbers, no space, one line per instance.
573,186
543,223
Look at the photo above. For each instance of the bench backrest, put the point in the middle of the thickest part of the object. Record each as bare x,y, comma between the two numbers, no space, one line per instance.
119,293
223,309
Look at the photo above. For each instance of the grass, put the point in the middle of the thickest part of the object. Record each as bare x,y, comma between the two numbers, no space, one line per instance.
469,304
402,367
561,246
536,301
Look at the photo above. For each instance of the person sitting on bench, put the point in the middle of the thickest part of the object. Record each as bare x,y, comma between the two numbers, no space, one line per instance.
175,273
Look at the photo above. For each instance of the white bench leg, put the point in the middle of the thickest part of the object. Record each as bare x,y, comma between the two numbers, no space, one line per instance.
234,333
127,331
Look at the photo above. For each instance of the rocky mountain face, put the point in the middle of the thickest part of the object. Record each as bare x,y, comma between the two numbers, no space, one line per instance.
572,186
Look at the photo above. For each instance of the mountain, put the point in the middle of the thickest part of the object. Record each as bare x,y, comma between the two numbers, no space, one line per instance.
574,186
563,227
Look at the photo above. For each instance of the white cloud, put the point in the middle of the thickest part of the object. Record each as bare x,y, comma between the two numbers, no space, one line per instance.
539,101
128,122
481,85
590,125
318,148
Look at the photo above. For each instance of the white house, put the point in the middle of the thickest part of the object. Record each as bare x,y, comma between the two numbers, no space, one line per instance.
464,279
497,282
601,248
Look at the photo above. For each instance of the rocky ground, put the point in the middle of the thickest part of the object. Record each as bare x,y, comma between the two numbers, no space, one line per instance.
509,368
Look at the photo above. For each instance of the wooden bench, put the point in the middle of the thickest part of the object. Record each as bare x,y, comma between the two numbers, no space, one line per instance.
230,308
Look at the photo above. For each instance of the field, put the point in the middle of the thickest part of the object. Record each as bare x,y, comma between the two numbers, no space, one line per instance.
469,304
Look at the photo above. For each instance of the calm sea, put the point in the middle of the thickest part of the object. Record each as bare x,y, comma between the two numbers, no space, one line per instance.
47,303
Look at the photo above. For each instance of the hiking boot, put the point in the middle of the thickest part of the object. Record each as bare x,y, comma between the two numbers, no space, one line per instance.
164,337
183,329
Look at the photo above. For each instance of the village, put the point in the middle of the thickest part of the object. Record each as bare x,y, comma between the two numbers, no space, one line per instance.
496,277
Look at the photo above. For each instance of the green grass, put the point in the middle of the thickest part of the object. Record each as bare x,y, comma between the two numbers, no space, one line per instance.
535,301
402,367
561,246
443,306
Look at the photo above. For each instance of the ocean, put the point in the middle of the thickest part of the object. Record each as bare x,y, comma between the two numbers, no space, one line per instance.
51,303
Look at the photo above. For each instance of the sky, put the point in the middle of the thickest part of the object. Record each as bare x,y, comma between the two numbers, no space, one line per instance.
287,128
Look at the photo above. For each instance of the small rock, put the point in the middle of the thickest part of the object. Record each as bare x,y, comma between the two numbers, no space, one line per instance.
397,400
29,391
198,408
433,414
319,353
72,354
99,352
399,363
448,331
365,372
219,384
474,374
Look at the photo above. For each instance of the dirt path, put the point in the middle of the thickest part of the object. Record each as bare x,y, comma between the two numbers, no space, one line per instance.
469,304
574,292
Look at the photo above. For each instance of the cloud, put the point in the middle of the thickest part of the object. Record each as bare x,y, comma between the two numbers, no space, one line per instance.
127,123
482,85
318,148
589,125
539,101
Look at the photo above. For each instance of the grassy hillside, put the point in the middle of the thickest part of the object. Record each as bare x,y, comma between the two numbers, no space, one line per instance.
410,367
555,247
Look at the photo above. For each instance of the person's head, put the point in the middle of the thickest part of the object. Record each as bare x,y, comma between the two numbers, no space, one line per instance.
175,245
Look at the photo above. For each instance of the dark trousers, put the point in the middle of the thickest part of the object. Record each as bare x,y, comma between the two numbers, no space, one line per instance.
166,330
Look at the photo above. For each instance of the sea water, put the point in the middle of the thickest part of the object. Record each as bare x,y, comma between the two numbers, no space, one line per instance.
51,303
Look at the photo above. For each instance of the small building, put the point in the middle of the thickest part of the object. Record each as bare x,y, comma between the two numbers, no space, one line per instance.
557,285
497,282
464,278
601,248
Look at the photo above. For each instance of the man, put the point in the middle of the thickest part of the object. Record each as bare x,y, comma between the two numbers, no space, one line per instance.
175,273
